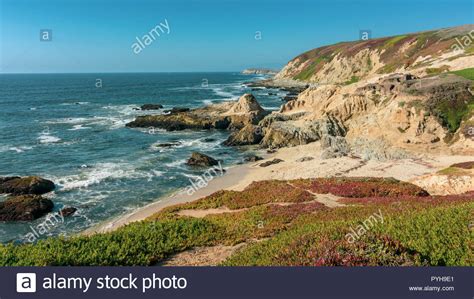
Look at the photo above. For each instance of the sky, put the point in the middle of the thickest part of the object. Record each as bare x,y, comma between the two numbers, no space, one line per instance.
207,35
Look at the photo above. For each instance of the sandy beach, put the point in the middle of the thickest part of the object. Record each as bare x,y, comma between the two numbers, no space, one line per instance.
292,167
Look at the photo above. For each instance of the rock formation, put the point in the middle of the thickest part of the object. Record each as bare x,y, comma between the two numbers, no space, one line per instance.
227,115
198,159
25,185
24,208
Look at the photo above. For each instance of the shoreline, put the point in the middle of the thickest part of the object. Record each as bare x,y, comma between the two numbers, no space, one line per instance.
229,180
240,176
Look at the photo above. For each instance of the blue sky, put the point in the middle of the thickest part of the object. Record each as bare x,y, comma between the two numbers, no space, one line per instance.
97,36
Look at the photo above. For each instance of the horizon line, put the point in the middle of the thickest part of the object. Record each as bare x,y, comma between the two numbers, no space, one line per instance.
131,72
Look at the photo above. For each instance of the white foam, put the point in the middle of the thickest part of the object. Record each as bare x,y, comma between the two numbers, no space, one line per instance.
103,171
78,127
176,163
48,138
20,149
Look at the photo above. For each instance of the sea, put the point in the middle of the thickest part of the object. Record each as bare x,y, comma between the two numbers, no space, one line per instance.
70,128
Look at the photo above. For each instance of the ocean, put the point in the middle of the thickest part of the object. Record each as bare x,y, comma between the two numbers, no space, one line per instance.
70,128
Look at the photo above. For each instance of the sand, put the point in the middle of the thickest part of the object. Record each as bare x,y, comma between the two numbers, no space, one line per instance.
238,177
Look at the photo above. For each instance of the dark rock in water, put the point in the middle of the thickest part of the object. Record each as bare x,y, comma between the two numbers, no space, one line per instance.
151,107
250,134
271,162
24,208
25,185
304,159
209,139
272,94
198,159
177,110
222,116
168,144
66,212
271,151
252,158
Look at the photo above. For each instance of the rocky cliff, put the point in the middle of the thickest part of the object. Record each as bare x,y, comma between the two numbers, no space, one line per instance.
384,96
418,53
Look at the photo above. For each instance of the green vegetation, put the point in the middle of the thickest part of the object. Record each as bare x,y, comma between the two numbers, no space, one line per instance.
353,79
310,70
437,70
453,114
391,42
294,229
466,73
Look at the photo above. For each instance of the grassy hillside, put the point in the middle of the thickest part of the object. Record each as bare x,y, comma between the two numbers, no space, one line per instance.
402,51
293,229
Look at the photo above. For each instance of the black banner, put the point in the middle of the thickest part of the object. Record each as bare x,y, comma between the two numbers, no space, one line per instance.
236,282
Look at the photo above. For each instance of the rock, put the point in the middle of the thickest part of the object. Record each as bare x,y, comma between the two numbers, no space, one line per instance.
222,116
271,162
66,212
246,111
151,107
334,147
24,208
292,133
271,151
250,134
209,139
177,110
25,185
304,159
168,144
252,158
198,159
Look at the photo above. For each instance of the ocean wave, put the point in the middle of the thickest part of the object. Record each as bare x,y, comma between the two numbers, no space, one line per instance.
18,149
74,103
78,127
101,172
48,138
176,164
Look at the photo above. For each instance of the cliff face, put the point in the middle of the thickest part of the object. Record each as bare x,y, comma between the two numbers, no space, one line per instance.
418,53
384,96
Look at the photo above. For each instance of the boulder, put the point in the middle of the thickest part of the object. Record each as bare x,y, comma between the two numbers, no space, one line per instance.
25,185
198,159
250,134
252,158
271,162
168,144
66,212
304,159
151,107
24,208
334,147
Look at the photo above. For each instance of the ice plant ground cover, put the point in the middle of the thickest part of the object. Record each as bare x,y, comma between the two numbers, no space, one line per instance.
283,223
